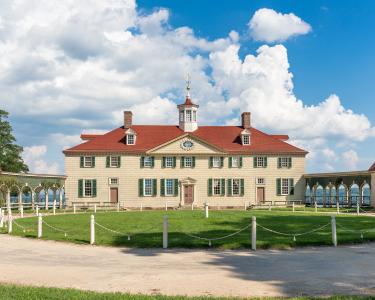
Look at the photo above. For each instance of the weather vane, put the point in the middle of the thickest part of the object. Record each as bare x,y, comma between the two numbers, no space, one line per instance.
188,81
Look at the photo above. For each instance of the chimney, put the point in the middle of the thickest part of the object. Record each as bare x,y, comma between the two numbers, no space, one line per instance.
246,120
128,119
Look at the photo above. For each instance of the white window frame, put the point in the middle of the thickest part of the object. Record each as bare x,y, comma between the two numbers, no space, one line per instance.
130,139
113,159
169,183
87,161
169,161
246,139
284,162
284,188
88,188
194,116
216,161
147,188
260,181
188,162
188,115
147,162
181,116
113,181
235,161
216,187
260,161
238,186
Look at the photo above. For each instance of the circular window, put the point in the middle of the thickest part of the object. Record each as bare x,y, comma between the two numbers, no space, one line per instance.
187,145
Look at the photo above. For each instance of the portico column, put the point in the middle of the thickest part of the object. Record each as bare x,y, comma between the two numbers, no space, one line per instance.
32,199
373,189
19,199
8,200
181,192
46,197
60,199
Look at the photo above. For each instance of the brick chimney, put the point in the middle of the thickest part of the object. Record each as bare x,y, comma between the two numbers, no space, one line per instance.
128,119
246,120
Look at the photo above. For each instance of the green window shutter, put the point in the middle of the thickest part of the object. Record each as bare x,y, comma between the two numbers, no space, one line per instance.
279,162
240,158
174,161
221,161
176,187
93,161
193,161
162,187
107,159
255,161
265,162
230,162
222,187
209,187
229,187
142,161
152,161
278,186
163,162
80,188
119,161
154,187
94,187
81,161
291,186
242,191
140,187
289,162
182,161
211,161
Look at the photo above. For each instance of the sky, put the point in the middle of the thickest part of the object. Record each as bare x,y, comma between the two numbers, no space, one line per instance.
303,68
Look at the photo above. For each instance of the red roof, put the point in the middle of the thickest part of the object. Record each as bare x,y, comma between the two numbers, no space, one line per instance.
89,136
283,137
225,138
372,168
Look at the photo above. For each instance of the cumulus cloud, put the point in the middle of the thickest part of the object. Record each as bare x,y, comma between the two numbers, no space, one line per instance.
350,159
270,26
77,65
34,157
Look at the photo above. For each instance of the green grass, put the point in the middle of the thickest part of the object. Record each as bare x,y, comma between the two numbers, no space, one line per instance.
145,228
12,292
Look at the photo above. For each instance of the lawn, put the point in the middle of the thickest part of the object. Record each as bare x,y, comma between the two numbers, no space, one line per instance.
11,292
144,229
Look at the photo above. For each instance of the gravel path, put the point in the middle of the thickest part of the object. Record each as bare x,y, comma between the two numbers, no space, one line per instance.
307,271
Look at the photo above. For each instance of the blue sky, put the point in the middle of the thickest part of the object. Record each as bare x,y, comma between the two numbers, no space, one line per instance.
73,70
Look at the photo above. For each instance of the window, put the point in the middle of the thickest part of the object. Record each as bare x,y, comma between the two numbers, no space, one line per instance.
216,161
114,161
169,162
261,181
130,139
188,116
235,162
88,161
169,187
147,161
216,187
285,162
113,180
147,187
87,188
188,162
284,186
260,162
181,116
236,187
246,139
194,116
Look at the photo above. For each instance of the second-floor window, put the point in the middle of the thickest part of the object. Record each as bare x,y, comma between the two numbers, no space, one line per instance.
169,162
260,162
188,162
147,161
87,161
217,161
284,162
114,161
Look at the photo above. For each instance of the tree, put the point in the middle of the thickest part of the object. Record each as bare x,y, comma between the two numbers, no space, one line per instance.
10,153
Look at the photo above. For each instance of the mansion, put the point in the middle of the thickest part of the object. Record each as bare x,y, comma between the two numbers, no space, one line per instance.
149,165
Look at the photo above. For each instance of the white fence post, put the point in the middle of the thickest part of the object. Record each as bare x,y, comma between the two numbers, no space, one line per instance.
141,207
21,210
338,207
95,208
244,205
10,223
192,206
118,206
165,232
166,205
40,229
334,234
206,209
253,233
37,210
74,208
316,206
357,208
54,207
269,206
92,230
293,206
1,218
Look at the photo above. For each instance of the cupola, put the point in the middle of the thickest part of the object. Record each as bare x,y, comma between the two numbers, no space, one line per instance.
188,111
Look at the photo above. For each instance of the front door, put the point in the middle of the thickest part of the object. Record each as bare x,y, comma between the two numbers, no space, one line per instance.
114,195
188,194
260,194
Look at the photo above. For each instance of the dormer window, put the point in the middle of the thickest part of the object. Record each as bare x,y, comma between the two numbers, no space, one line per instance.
246,140
245,137
130,137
